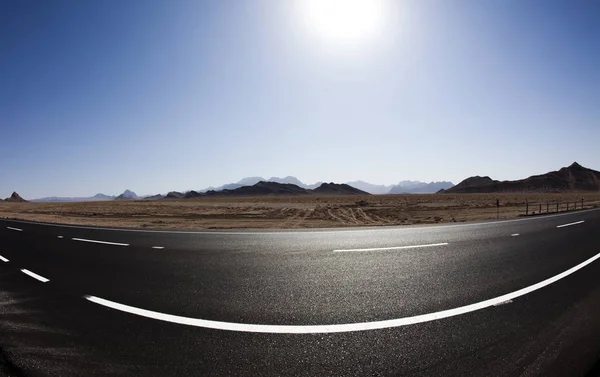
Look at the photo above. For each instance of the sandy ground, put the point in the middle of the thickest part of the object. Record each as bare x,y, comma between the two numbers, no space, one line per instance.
292,212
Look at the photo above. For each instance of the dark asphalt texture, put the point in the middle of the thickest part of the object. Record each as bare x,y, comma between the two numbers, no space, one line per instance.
295,278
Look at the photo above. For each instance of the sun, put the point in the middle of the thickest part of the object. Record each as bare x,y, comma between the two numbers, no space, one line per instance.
344,23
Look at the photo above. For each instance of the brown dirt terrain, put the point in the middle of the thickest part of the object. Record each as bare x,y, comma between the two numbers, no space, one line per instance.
291,212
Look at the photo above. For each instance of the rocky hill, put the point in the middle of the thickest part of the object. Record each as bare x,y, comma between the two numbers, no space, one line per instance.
15,198
338,189
154,197
260,189
572,178
192,194
174,195
127,195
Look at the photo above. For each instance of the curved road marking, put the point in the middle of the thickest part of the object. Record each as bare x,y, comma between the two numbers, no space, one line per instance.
35,276
102,242
316,329
575,223
391,248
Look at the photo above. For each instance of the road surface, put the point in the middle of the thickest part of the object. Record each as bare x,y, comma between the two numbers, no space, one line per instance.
518,297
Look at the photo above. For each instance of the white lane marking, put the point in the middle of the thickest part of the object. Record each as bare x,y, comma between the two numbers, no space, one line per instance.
575,223
60,236
3,259
158,247
330,231
11,228
102,242
515,235
504,303
362,326
35,276
391,248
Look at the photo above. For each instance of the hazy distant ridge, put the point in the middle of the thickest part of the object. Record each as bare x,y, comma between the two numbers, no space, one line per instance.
403,187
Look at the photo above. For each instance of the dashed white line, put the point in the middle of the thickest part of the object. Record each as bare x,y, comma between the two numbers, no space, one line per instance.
158,247
515,235
391,248
362,326
59,236
3,259
102,242
35,276
11,228
575,223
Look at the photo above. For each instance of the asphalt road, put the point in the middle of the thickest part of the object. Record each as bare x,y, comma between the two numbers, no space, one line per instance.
518,297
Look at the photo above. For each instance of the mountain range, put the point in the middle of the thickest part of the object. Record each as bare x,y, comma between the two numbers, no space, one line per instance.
249,181
96,198
415,187
267,188
127,194
403,187
572,178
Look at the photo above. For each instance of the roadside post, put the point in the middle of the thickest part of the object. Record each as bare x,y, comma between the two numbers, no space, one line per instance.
497,208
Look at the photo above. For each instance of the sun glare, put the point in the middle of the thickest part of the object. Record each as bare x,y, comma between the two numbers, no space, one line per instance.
344,23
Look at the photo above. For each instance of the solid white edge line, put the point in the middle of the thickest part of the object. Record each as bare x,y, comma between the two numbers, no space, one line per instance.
324,231
35,276
3,259
314,329
102,242
11,228
391,248
575,223
158,247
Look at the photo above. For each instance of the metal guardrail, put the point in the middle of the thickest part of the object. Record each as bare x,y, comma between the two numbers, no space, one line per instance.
552,207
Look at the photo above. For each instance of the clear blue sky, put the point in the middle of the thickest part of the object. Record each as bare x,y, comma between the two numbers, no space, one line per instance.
99,96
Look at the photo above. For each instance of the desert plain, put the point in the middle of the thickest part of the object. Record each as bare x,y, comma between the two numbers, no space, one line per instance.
294,212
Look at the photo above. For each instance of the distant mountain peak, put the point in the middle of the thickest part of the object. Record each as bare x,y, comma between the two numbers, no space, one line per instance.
15,198
288,179
249,181
127,194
